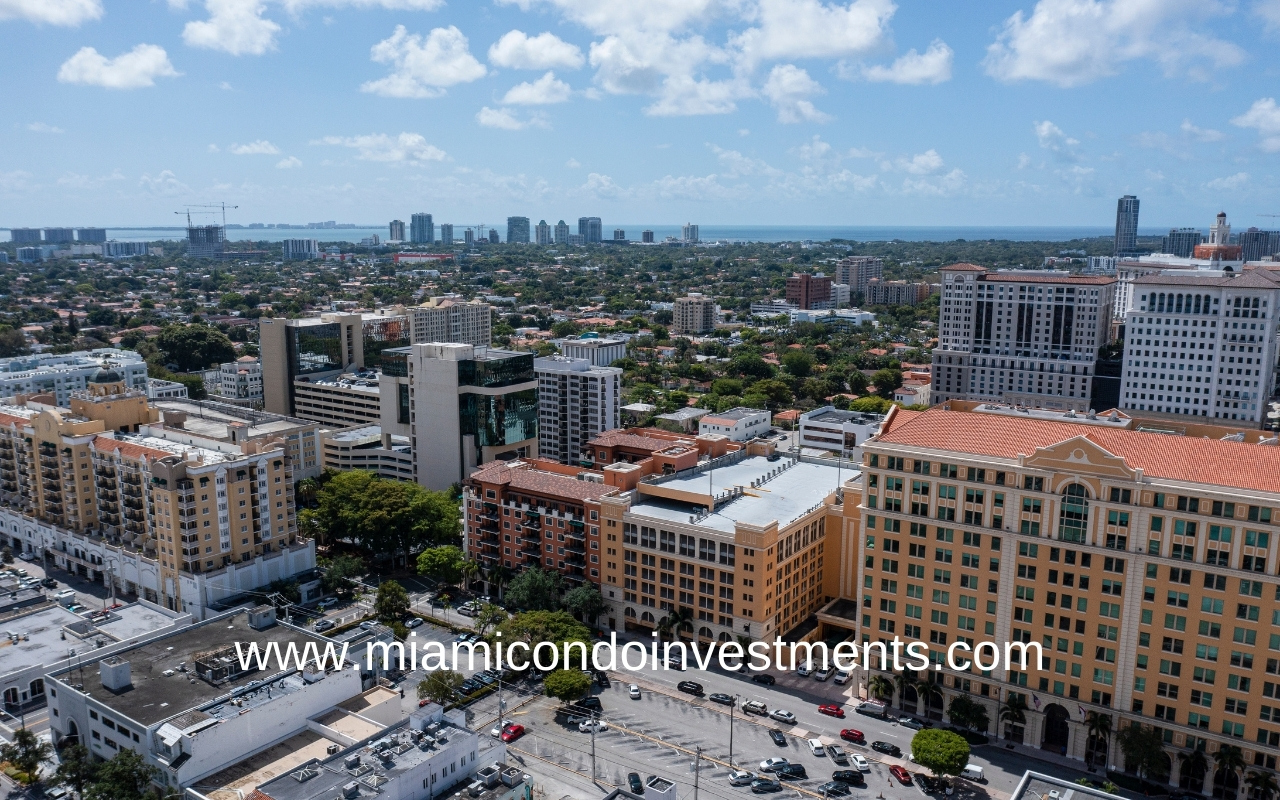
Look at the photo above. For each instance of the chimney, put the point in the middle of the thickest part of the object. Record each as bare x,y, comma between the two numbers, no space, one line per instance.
114,673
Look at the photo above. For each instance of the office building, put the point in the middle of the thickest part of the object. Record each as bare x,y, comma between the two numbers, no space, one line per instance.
689,233
1180,242
896,293
158,389
517,230
619,235
124,249
446,234
576,401
60,375
421,229
1024,337
300,249
1101,265
22,236
1138,560
693,315
1126,242
805,291
737,424
562,232
460,406
1202,345
839,432
590,347
841,295
396,231
577,239
1256,245
856,272
206,241
91,235
542,233
646,237
590,229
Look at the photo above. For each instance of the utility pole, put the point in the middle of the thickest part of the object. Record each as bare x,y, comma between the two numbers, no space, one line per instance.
594,725
697,772
732,708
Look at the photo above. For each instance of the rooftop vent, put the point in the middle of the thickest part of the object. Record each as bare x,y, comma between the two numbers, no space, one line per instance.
114,673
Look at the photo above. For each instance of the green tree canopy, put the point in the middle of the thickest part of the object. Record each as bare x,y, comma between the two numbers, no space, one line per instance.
340,572
76,769
749,365
384,516
534,589
489,616
969,713
443,563
439,686
941,752
798,363
1143,750
557,627
886,380
125,776
585,603
193,347
392,602
25,752
567,685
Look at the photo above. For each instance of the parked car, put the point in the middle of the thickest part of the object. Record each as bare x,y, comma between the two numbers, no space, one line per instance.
837,754
765,785
849,776
794,772
765,678
901,774
511,731
602,680
911,722
754,707
590,702
368,625
853,735
860,763
804,669
822,674
741,778
783,716
887,749
842,676
773,764
779,738
413,622
28,557
690,687
634,783
49,583
324,625
633,691
592,725
834,789
721,698
831,710
928,784
815,747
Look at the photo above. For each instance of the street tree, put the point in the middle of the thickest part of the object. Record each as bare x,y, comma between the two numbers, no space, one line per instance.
1143,750
443,563
439,687
941,752
392,602
968,713
535,589
194,347
26,752
567,685
339,574
489,616
76,769
125,776
585,603
557,627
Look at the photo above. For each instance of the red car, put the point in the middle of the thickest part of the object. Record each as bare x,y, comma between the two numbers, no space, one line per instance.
901,774
512,731
851,735
831,710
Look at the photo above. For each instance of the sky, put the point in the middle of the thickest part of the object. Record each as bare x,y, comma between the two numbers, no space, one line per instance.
748,112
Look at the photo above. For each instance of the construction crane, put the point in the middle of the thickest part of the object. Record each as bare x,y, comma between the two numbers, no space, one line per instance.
222,206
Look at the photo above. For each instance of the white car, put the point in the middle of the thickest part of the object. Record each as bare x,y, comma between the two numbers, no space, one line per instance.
842,676
822,674
586,727
804,669
860,763
815,747
783,716
741,778
634,691
773,764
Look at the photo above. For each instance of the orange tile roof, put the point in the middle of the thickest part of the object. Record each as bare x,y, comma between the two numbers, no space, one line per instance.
134,451
1180,458
535,481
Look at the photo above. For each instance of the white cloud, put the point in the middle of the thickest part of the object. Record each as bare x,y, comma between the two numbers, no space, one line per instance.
424,67
51,12
602,186
40,127
683,95
933,66
298,6
814,29
546,90
1024,161
1265,116
1230,183
225,86
736,165
1201,134
940,186
691,187
234,26
1269,12
1053,139
259,148
407,147
788,88
132,70
213,148
744,131
165,183
292,162
615,16
920,164
518,50
572,163
1074,42
499,118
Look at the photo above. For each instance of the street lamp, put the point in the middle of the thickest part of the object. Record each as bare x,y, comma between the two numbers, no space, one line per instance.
732,708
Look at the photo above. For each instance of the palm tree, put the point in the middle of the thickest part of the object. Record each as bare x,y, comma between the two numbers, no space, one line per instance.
1197,765
1262,785
880,686
499,575
1229,759
469,570
744,641
1013,711
1098,726
902,682
928,692
676,620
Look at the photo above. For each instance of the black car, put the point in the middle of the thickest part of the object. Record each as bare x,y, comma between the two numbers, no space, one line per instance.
637,785
834,789
590,703
928,784
850,776
690,687
49,583
762,785
721,698
765,678
602,680
778,737
793,772
887,749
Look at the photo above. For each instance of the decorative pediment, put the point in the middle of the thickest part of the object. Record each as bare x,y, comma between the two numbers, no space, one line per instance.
1081,456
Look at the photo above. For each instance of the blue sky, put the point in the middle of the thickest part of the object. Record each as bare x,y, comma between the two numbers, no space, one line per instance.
717,111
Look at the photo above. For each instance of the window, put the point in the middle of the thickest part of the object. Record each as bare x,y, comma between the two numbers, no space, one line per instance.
1073,519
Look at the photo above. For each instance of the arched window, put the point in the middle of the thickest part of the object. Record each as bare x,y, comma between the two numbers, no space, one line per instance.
1073,519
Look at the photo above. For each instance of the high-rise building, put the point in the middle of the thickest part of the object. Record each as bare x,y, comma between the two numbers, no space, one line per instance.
1126,225
25,236
517,230
619,235
856,272
91,235
646,237
577,239
206,241
468,237
396,232
421,229
600,352
1023,337
576,401
1189,350
693,315
689,233
446,234
59,235
543,232
494,238
1180,242
808,292
300,249
61,375
562,232
1256,245
590,229
896,293
443,319
124,249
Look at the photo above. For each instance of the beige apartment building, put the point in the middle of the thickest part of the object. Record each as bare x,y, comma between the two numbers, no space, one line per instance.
1143,562
693,315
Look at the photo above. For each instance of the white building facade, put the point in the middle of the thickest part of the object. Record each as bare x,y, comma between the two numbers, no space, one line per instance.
576,401
736,424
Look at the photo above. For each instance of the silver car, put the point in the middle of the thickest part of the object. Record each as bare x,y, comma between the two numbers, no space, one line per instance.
741,778
783,716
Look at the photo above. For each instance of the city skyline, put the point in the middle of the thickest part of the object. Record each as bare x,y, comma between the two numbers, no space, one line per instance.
773,112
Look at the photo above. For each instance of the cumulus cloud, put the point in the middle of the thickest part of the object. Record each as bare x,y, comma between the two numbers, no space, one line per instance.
1230,183
1074,42
298,6
546,90
1201,134
933,66
602,186
165,183
940,186
1269,12
234,26
814,29
684,95
788,88
919,164
1053,139
424,67
410,148
518,50
292,162
1264,116
51,12
499,118
132,70
259,148
40,127
573,163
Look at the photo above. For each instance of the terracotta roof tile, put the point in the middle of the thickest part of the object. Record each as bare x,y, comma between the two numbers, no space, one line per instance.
536,481
134,451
